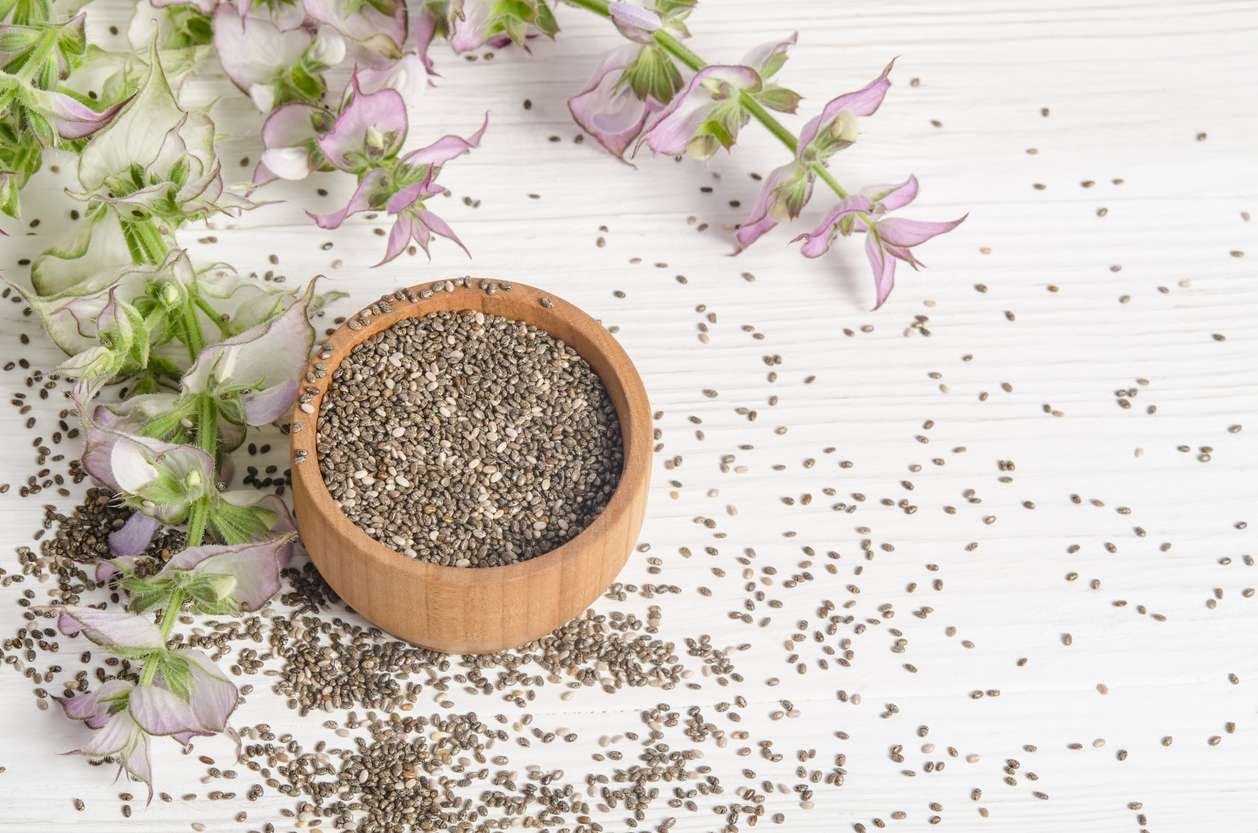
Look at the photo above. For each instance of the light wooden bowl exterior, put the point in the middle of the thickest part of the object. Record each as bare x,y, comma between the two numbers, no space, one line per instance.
477,609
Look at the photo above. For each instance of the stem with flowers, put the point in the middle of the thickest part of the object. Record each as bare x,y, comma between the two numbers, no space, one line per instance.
698,118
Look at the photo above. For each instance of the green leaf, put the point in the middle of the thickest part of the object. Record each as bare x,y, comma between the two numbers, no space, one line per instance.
175,671
778,98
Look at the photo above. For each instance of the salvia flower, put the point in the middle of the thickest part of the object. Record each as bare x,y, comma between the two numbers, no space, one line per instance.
156,161
787,189
272,64
217,579
887,239
709,113
366,139
474,23
377,25
253,376
609,108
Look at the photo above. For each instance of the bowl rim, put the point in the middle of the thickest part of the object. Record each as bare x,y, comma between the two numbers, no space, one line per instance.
637,440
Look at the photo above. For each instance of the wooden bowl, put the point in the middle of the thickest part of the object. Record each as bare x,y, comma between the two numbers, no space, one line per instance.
474,609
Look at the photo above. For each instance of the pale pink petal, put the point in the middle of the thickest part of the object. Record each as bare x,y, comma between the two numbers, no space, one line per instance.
270,404
158,711
383,111
254,566
863,102
897,231
95,706
119,632
213,696
362,200
134,536
883,265
445,149
608,110
676,125
769,55
760,221
817,242
75,120
887,198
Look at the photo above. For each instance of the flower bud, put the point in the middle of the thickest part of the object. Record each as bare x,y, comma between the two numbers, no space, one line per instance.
375,139
170,294
702,147
192,481
845,128
780,211
222,585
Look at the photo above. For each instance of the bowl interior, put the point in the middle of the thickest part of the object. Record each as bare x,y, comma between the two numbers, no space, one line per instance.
523,303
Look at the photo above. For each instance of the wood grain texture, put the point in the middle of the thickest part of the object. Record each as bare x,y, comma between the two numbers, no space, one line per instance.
478,610
1129,85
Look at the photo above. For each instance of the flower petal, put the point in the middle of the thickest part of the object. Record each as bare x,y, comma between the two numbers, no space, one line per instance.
253,50
383,113
761,220
608,110
271,403
900,232
677,124
863,102
445,149
254,566
767,58
134,536
120,633
158,711
269,355
213,696
360,201
817,242
888,198
883,265
407,75
94,707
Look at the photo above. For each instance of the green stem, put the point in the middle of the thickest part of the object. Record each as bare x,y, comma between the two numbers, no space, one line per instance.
192,329
196,521
168,622
207,426
145,241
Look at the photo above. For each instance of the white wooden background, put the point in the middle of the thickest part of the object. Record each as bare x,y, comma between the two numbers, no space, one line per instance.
1130,84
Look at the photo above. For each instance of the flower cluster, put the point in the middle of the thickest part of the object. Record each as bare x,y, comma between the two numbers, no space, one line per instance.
638,96
205,355
181,693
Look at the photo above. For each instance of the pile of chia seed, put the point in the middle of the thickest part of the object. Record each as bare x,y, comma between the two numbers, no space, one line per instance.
468,440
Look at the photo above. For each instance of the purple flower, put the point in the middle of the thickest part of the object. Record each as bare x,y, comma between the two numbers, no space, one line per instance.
117,733
608,108
706,116
255,52
369,130
782,198
402,193
289,137
189,697
836,127
473,23
261,366
788,188
133,537
379,27
887,239
252,569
